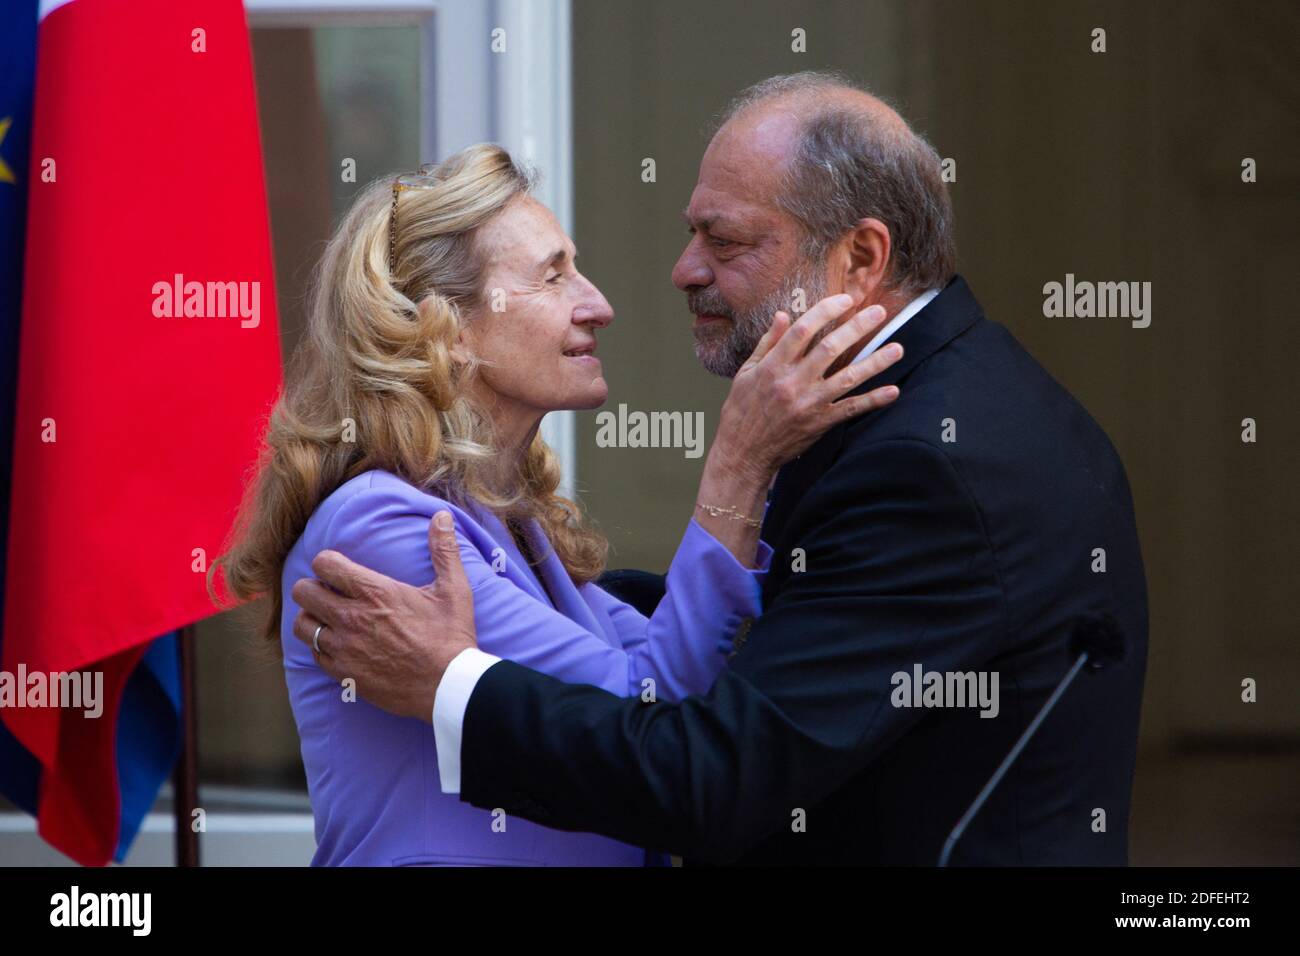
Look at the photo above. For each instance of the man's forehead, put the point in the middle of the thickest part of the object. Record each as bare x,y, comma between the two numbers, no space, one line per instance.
760,138
741,170
712,208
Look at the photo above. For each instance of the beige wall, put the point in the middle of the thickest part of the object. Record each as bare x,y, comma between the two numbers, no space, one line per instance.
1119,166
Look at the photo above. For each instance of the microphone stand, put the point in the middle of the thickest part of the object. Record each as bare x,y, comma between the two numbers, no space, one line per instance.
1001,772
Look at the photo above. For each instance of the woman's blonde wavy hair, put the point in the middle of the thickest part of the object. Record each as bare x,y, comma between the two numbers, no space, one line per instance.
376,365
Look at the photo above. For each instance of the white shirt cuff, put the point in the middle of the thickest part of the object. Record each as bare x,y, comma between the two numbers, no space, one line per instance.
449,703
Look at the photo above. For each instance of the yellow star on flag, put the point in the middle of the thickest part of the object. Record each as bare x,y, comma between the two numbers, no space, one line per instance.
6,174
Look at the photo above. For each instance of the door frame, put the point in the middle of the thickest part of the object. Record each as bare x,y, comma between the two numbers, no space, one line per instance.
520,98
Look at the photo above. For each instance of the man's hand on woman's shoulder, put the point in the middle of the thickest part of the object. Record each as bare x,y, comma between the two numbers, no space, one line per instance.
394,640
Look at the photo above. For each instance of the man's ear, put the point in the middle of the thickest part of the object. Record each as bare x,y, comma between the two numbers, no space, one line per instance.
867,248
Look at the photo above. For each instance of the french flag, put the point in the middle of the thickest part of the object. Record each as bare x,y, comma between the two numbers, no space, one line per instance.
139,358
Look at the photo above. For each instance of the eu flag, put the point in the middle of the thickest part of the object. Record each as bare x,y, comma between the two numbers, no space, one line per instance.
148,733
129,154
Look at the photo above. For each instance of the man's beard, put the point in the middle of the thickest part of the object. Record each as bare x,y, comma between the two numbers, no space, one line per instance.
723,349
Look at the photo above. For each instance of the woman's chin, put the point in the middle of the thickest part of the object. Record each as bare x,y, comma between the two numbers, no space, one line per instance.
593,396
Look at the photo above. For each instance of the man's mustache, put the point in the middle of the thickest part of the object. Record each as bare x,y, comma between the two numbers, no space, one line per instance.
709,302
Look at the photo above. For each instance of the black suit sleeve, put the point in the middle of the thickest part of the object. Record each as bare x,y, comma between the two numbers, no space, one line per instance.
898,572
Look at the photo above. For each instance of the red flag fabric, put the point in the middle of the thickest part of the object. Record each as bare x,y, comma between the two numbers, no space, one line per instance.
149,357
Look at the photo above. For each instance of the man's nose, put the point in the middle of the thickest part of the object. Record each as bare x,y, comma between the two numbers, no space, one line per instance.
594,310
692,271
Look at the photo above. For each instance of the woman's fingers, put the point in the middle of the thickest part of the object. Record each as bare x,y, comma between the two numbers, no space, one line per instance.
794,343
847,336
854,374
784,399
856,405
780,322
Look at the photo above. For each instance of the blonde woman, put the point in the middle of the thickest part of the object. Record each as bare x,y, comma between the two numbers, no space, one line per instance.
448,318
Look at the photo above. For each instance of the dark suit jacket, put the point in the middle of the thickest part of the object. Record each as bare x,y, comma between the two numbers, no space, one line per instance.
962,529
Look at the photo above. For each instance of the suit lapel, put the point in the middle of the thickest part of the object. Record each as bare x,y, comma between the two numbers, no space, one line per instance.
548,582
948,314
559,587
795,478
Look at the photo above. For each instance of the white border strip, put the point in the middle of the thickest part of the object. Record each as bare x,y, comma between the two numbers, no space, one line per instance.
214,823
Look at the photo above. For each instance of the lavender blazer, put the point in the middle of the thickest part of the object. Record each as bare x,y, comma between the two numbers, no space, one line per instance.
373,777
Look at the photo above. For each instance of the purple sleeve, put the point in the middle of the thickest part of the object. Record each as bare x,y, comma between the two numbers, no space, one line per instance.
684,644
386,529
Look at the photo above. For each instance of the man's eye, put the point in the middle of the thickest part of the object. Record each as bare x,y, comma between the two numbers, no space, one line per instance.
719,243
555,278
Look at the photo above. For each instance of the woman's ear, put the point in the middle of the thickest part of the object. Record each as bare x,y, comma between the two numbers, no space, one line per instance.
461,349
436,311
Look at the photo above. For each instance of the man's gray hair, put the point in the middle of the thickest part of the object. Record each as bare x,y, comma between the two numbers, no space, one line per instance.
850,164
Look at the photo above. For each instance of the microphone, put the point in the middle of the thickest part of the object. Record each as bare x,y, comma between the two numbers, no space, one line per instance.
1097,643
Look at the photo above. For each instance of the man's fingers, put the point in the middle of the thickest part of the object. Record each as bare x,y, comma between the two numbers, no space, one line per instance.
445,552
346,576
317,600
304,628
326,661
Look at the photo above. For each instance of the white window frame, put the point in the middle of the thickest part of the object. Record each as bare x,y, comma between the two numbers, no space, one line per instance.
521,98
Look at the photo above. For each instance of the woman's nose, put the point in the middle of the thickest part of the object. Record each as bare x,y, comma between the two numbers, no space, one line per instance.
594,308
